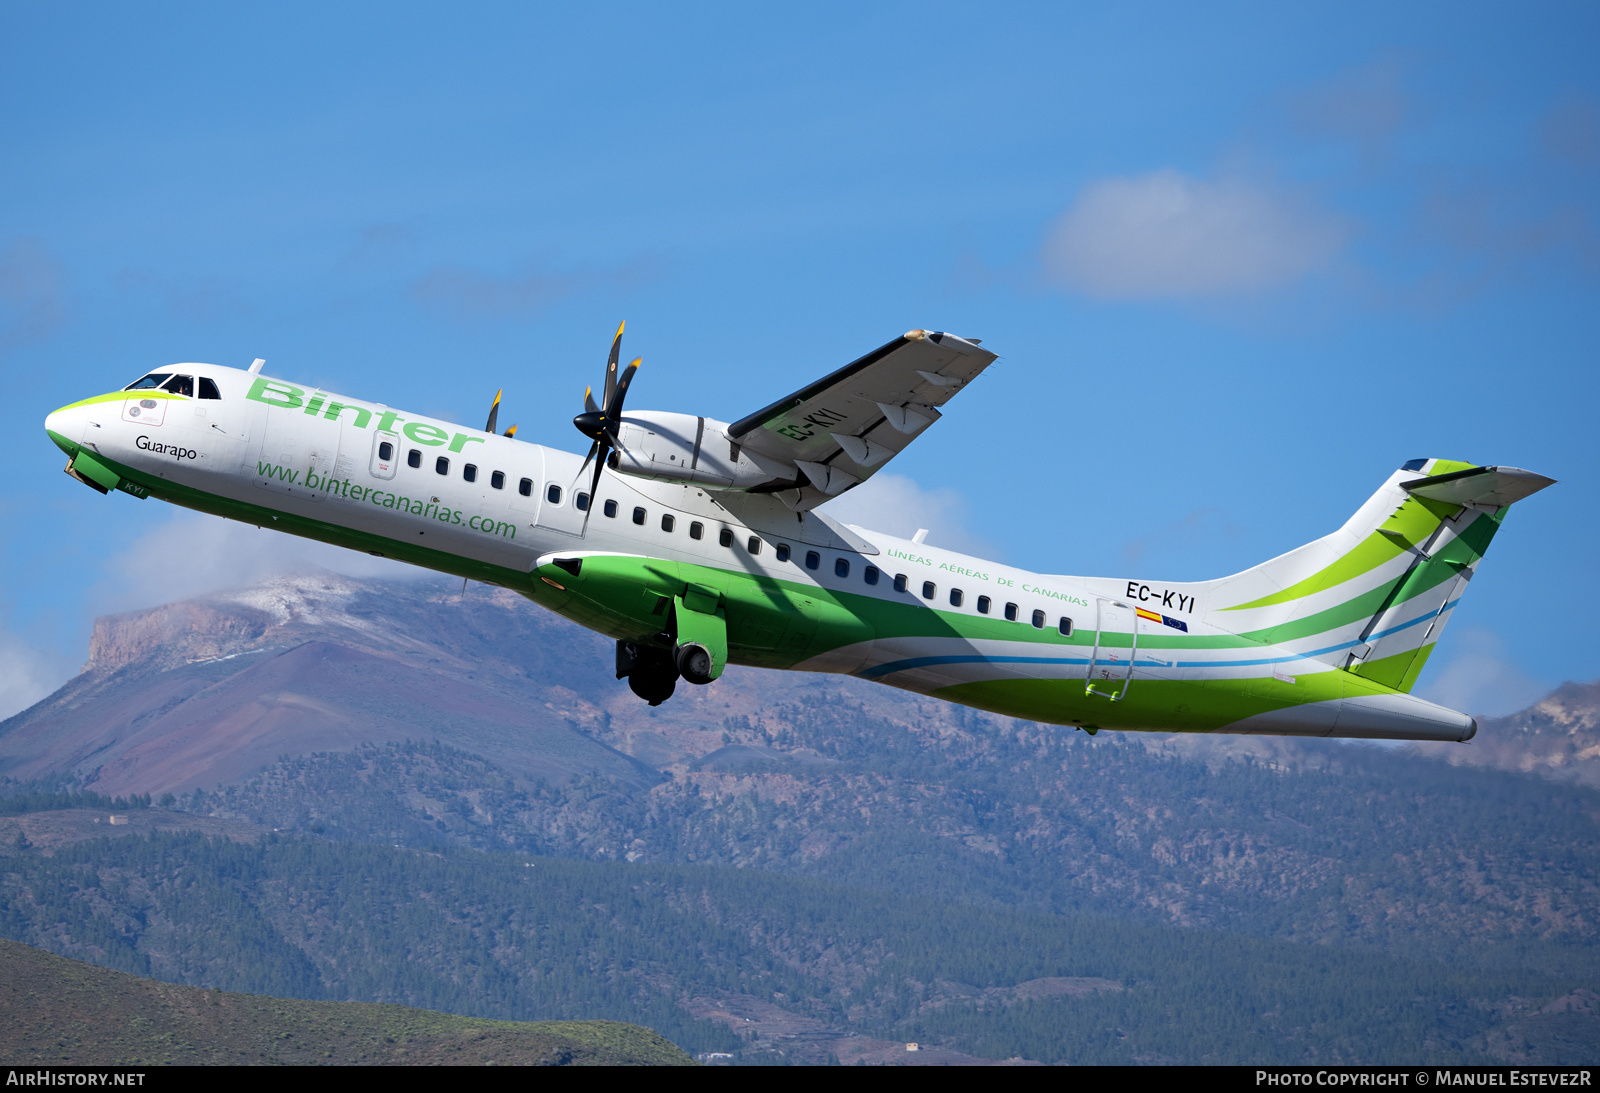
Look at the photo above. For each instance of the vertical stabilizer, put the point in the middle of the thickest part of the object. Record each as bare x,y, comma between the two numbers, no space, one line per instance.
1373,597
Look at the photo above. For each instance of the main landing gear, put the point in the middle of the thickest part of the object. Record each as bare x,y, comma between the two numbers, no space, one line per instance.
694,647
652,672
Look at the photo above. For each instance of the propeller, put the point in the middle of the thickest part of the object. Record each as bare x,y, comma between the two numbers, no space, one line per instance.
494,411
494,415
601,423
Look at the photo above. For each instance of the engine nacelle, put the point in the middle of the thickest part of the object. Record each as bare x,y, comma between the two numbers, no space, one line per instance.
684,448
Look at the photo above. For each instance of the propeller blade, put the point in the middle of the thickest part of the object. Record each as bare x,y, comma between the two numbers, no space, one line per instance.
588,400
494,411
593,448
594,488
614,406
611,364
511,431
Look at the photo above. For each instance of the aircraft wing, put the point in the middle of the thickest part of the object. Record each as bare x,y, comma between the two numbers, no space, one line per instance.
840,430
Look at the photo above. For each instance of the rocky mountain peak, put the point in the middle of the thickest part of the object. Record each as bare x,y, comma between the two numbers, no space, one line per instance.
283,611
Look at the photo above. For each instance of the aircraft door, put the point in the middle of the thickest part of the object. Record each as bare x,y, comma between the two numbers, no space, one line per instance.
1116,644
558,500
299,454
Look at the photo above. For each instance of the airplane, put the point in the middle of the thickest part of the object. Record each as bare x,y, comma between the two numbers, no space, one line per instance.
697,543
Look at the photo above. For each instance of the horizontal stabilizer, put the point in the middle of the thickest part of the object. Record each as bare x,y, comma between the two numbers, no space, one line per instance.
1492,487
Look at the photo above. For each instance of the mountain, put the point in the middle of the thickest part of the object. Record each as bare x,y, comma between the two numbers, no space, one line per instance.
754,965
208,691
1557,737
67,1013
410,715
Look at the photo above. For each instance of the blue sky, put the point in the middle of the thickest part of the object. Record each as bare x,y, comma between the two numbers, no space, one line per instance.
1239,261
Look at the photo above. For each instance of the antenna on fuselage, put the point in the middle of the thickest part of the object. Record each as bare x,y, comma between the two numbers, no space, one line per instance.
255,365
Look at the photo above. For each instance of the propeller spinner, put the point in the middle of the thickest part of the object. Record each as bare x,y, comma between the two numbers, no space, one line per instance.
601,423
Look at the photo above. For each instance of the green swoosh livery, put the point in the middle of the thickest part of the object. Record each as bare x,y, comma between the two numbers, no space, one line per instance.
703,545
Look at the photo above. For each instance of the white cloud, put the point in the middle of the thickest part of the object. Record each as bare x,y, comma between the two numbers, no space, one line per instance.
1167,234
1481,679
28,674
895,504
192,554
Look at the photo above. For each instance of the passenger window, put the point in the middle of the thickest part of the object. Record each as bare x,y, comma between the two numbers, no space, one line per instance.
870,574
900,582
580,501
754,545
667,521
638,515
552,493
525,487
983,605
841,567
725,537
470,472
956,597
414,458
208,389
441,465
783,552
180,385
1038,619
1011,612
697,530
385,451
610,509
813,559
498,480
929,590
1065,626
153,380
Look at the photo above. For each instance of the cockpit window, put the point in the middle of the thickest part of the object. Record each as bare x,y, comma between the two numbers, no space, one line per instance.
154,379
180,385
208,388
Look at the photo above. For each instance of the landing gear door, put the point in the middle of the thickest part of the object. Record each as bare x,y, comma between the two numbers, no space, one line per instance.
1116,644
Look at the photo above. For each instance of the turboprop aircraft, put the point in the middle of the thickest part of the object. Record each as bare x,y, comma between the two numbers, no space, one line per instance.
698,543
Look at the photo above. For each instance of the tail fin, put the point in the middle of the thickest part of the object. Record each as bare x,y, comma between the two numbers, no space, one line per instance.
1374,596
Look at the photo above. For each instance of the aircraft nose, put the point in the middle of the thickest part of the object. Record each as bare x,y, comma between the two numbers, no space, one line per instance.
64,426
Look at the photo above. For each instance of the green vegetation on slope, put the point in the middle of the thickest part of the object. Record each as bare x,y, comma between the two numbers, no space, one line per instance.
63,1012
504,936
1355,846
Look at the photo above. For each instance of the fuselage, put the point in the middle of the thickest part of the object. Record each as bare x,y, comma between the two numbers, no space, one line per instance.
798,591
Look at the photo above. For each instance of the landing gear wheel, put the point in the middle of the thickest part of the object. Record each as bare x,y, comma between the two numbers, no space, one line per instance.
695,663
651,673
654,689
